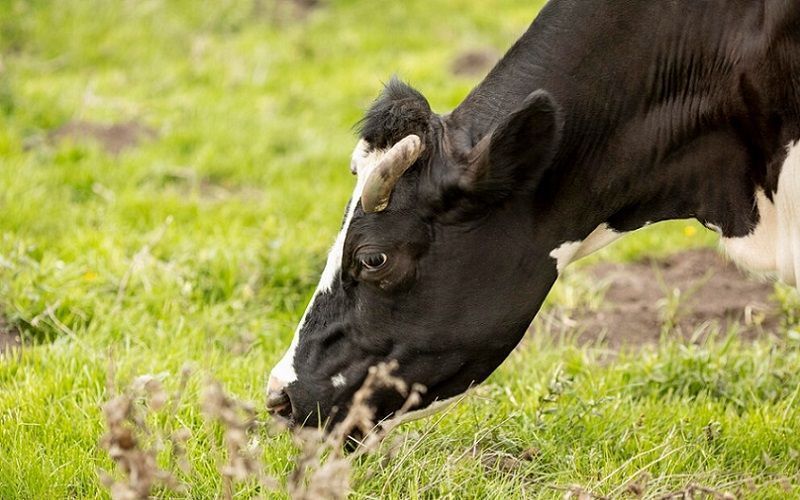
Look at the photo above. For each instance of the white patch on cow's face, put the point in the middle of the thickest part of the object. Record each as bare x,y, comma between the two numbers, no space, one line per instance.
338,380
284,373
362,163
774,245
571,251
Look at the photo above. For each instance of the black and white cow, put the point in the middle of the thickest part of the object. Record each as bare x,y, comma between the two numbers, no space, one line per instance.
607,115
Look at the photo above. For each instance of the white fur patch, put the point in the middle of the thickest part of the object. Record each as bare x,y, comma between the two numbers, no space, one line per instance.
565,254
362,163
774,245
338,380
284,373
360,155
571,251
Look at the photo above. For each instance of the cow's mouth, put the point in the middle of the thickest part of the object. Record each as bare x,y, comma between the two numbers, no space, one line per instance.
279,405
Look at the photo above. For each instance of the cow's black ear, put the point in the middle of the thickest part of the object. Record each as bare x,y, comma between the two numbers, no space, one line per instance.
519,150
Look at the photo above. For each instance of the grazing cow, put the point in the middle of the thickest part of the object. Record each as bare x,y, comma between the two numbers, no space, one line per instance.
605,116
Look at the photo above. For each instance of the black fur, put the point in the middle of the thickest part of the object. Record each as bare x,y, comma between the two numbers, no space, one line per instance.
399,111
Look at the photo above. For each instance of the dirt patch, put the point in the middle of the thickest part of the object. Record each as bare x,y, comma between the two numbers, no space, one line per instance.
9,337
689,295
286,10
305,4
474,62
189,182
114,138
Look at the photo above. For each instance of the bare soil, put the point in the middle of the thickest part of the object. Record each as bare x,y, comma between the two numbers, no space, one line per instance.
280,11
690,295
9,337
474,62
114,138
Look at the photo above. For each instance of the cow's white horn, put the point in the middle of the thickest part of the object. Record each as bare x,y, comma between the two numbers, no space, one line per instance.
381,181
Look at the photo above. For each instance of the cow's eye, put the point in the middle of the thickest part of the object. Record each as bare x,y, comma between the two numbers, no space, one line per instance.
374,261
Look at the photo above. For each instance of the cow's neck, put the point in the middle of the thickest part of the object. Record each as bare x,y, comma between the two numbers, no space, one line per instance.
651,133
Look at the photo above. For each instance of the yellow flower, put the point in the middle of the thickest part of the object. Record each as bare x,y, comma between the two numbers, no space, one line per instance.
689,231
89,276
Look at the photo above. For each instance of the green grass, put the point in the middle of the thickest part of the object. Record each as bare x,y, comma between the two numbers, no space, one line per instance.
203,245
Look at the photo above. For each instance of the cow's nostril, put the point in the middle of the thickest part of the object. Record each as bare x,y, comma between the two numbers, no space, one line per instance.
278,403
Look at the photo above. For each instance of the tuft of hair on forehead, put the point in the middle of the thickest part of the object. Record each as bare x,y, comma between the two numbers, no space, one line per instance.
399,111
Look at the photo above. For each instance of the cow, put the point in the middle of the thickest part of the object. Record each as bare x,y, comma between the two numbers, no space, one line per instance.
604,117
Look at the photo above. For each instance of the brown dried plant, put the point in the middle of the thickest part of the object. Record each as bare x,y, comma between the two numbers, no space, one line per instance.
133,446
322,469
238,422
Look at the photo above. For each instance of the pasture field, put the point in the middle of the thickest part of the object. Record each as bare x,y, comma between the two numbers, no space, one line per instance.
172,174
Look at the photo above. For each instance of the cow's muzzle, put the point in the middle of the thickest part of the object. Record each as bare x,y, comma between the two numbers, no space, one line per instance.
278,402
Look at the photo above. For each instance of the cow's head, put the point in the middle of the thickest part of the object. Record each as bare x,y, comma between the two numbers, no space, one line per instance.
437,264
